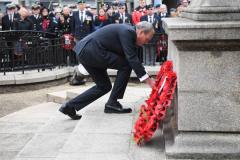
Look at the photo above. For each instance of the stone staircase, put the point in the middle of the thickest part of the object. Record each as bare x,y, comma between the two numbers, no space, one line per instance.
42,133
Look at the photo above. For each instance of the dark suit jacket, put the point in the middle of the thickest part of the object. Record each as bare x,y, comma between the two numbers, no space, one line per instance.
117,39
25,24
128,18
156,21
82,29
166,16
7,24
37,23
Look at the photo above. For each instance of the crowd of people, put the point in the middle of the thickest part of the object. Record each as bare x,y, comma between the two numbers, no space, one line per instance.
85,20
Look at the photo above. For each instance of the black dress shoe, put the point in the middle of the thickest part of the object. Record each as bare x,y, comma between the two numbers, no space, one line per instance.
70,112
116,108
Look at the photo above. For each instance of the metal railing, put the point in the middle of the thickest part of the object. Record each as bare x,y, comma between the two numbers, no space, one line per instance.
27,50
24,50
154,51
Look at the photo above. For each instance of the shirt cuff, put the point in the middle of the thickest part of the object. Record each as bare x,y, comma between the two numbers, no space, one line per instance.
143,78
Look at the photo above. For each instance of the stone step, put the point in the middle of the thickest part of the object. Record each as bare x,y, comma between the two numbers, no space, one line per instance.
57,97
131,94
42,132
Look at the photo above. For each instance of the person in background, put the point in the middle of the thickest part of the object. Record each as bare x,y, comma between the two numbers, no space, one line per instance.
48,25
65,21
82,22
162,43
152,18
82,25
164,11
36,17
101,20
10,17
149,51
115,7
123,16
139,12
57,13
173,12
110,15
23,23
1,16
88,7
94,12
183,4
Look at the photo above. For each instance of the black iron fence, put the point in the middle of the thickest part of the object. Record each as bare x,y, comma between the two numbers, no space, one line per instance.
22,50
155,51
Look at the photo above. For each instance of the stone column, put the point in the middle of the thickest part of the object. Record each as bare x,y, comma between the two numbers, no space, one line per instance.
204,45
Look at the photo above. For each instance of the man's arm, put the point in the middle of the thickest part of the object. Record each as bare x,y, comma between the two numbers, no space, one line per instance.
128,40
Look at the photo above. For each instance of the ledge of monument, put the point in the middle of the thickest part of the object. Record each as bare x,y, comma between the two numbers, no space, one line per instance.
187,29
198,145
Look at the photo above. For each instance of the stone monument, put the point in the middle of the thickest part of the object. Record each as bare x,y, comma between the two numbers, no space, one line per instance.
204,44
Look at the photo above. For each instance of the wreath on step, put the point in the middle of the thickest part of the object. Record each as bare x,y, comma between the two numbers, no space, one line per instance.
156,106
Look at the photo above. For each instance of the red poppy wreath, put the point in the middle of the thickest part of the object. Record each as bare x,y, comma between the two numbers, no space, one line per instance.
156,106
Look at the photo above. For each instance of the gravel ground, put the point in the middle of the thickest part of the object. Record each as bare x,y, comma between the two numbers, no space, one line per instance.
21,97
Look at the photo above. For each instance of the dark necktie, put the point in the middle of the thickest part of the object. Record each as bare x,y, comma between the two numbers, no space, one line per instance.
150,19
82,16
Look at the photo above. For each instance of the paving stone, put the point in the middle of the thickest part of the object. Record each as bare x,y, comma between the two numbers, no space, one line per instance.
19,127
113,124
57,97
44,145
92,156
8,155
34,158
41,132
38,113
14,142
59,124
152,150
97,143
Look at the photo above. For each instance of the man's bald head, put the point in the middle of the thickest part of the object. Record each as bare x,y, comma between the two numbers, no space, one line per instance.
24,13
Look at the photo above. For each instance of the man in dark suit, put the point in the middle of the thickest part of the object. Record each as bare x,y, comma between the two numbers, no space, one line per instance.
152,18
9,19
36,17
149,51
113,46
82,22
122,16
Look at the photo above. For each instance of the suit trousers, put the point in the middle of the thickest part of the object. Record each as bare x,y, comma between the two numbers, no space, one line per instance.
96,61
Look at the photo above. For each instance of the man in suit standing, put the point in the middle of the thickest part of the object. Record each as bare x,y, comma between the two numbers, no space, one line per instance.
82,22
123,16
9,19
113,46
152,18
36,17
149,51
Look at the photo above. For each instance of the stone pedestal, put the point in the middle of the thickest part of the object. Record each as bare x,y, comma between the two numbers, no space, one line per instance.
206,57
213,10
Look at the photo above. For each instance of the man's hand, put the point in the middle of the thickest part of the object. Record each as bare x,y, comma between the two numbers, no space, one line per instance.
150,82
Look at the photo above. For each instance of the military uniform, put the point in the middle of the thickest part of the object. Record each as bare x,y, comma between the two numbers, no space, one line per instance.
36,19
122,16
9,19
82,23
149,50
